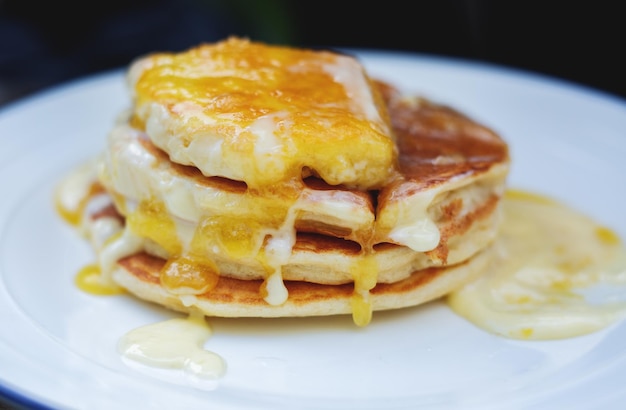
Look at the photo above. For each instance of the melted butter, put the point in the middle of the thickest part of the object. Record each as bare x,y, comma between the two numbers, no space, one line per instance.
255,224
74,196
175,344
408,221
273,289
89,280
556,274
120,245
275,255
190,270
422,235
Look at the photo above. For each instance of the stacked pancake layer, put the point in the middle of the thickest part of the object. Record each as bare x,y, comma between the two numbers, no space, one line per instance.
252,180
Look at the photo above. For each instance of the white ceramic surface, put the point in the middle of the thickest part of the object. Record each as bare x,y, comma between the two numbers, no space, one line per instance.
57,343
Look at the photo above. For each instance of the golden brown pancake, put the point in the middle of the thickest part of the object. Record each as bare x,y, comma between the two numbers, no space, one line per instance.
345,218
317,275
305,244
140,273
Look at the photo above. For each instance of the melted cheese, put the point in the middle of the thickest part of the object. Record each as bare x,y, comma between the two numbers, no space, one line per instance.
263,115
187,224
177,345
174,218
557,274
273,289
77,197
421,235
260,114
408,219
119,246
187,218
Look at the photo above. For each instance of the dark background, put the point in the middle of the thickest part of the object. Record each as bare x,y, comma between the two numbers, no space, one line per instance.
43,43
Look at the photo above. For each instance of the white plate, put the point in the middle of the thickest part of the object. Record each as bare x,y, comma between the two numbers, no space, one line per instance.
58,344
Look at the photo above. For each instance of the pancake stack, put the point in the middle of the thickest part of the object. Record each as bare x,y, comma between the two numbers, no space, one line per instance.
253,180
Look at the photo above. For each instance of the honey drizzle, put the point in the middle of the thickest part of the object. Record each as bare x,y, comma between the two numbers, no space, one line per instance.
89,280
365,274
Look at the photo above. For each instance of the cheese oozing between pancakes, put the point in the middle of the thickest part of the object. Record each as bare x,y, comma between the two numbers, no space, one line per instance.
214,159
266,116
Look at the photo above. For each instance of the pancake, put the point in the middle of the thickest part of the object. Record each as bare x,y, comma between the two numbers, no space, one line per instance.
141,274
240,298
334,212
304,238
